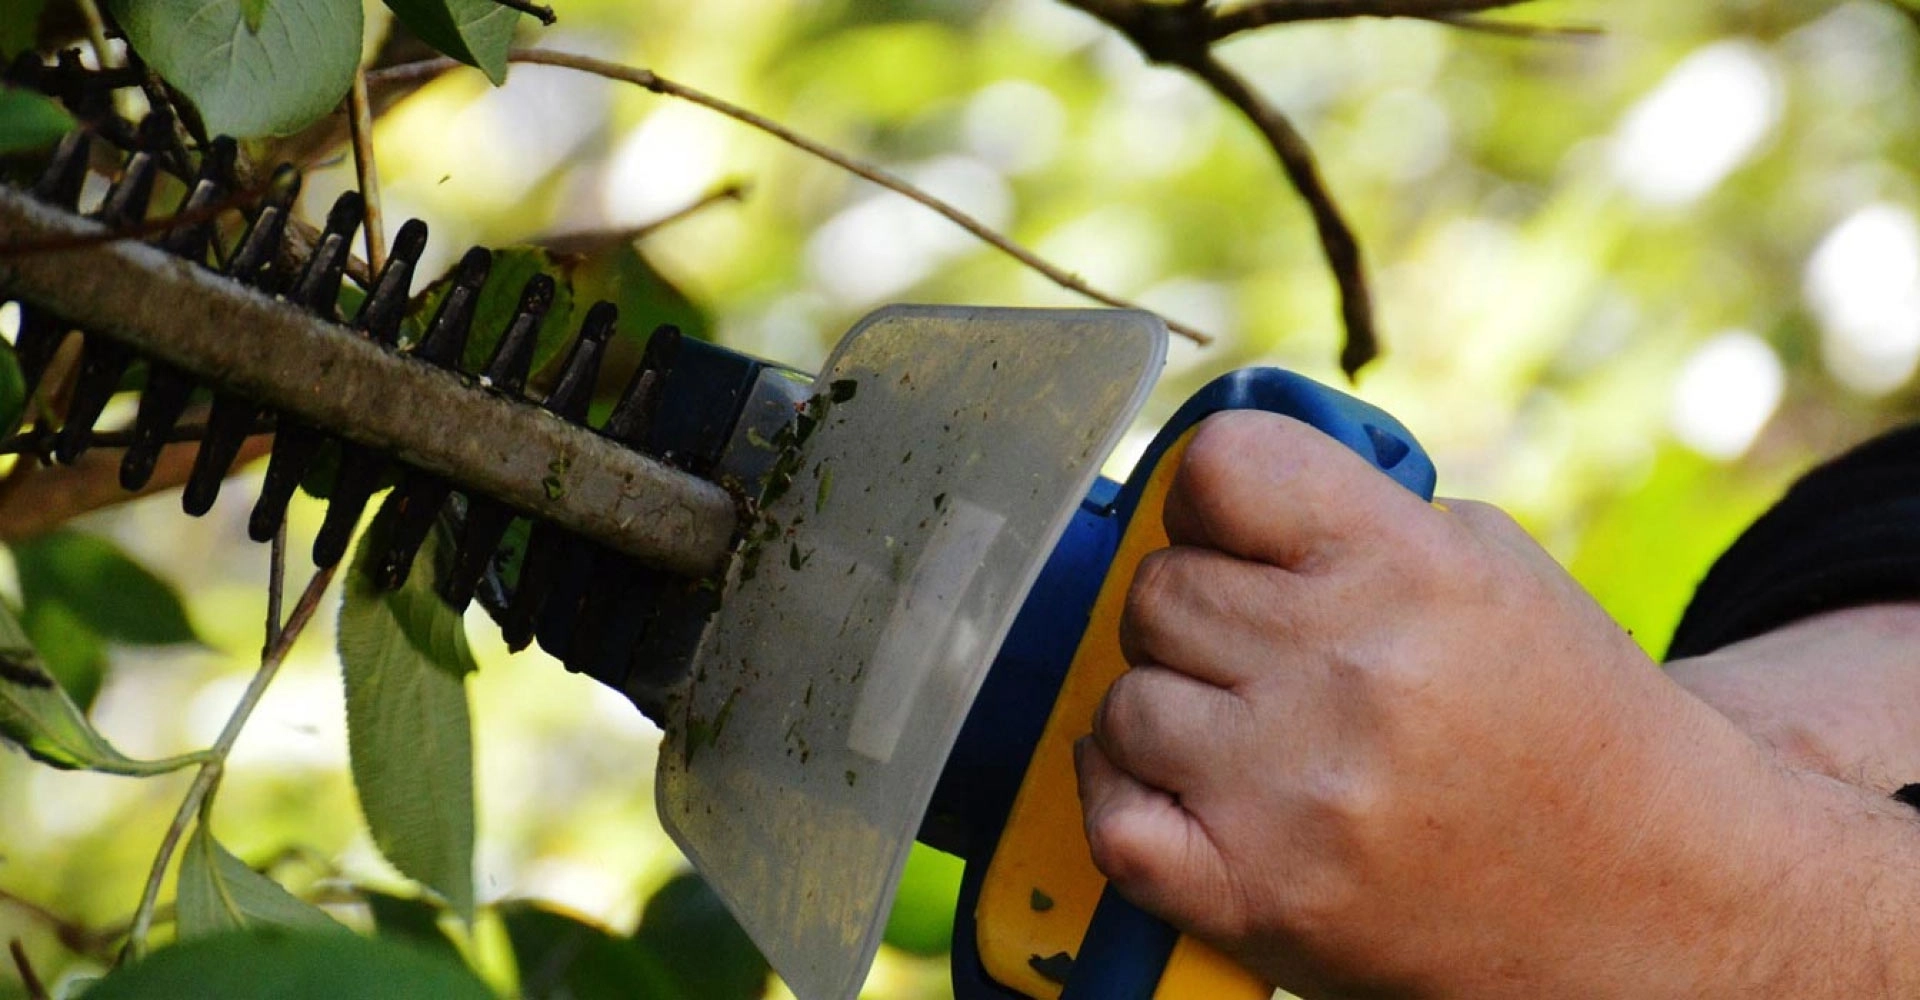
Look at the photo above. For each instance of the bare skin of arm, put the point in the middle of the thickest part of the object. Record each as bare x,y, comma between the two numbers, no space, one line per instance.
1837,694
1376,749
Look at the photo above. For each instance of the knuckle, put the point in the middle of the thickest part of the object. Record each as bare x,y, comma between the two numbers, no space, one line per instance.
1118,850
1122,716
1156,586
1217,455
1349,804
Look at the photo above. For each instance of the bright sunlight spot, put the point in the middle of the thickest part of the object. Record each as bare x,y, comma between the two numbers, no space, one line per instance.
1863,283
1725,393
1704,120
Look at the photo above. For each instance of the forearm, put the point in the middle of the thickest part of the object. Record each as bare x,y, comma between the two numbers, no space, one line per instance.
1854,901
1837,694
1835,700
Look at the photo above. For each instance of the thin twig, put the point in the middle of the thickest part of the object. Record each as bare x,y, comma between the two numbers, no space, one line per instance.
366,169
276,584
593,239
40,440
1336,237
649,80
36,990
96,32
1182,35
1522,31
208,776
1267,12
144,229
72,935
540,12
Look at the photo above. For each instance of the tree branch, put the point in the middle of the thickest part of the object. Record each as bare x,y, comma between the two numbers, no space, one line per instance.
1336,237
649,80
1262,13
1180,35
595,240
366,170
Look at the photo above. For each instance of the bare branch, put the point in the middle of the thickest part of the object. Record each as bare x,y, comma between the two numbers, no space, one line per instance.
1180,35
29,979
1265,12
596,240
1336,237
1520,30
366,169
649,80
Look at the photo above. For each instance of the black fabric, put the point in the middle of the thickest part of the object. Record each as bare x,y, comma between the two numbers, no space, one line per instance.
1846,534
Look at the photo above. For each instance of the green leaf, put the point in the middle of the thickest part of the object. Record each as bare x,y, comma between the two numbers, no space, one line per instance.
922,919
115,597
72,652
411,921
255,12
281,965
246,82
219,893
563,958
690,932
38,716
30,121
404,655
512,267
476,32
19,28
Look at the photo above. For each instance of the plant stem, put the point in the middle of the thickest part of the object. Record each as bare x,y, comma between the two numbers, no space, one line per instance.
208,776
649,80
366,169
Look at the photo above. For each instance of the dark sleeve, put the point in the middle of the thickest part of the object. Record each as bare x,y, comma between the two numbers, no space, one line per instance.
1846,534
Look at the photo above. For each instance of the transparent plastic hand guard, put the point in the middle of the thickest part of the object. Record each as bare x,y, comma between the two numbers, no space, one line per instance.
834,679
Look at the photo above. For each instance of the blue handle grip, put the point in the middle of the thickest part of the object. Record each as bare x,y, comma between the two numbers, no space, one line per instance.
1125,949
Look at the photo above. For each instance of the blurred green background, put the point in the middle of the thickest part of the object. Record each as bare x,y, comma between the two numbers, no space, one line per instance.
1628,286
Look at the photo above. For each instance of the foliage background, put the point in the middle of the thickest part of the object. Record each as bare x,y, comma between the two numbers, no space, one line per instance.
1628,286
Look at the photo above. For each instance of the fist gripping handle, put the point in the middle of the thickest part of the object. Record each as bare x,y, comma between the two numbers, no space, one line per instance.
1087,943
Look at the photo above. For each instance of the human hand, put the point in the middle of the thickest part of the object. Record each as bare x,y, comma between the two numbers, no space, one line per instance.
1371,747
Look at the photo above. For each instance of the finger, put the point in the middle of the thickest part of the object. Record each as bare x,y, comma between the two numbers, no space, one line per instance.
1213,616
1168,730
1272,489
1153,850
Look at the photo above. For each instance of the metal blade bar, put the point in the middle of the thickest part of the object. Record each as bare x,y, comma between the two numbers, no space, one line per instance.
231,336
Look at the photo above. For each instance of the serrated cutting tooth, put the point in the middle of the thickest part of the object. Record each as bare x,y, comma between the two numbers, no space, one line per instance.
487,520
296,444
418,499
103,360
548,544
362,468
234,417
168,388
